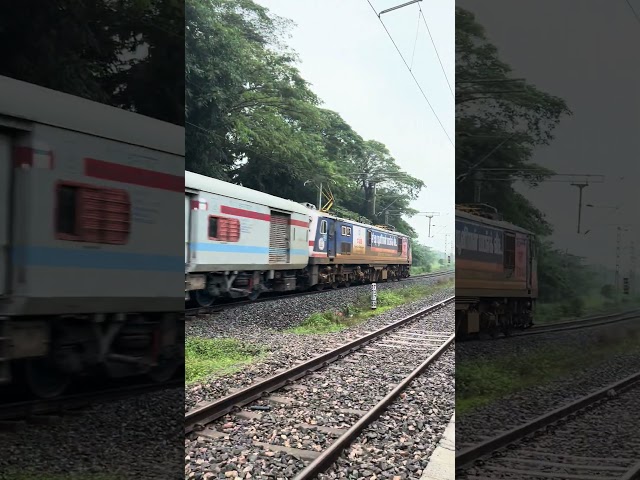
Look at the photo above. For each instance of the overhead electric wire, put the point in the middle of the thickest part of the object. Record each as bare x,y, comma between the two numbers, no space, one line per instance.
421,13
412,75
415,42
635,13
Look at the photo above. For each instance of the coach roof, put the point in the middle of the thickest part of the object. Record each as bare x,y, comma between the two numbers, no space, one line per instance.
197,182
26,101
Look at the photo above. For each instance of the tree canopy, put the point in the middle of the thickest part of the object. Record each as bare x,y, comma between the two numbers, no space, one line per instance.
120,53
253,119
500,120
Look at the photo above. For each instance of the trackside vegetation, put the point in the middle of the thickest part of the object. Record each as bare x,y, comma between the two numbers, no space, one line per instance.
481,382
335,321
205,357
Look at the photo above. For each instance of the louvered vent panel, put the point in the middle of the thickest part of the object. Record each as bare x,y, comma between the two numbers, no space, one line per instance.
278,233
105,215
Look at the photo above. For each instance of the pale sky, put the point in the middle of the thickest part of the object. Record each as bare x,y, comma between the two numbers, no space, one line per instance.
585,52
354,68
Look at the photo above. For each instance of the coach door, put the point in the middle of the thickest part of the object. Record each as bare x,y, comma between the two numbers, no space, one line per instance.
187,222
529,263
331,238
5,210
279,238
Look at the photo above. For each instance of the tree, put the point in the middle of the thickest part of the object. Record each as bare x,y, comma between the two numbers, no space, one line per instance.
252,119
499,123
122,54
608,291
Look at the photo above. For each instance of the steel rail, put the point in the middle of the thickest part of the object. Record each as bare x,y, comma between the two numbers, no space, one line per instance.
468,455
332,453
212,411
633,473
579,324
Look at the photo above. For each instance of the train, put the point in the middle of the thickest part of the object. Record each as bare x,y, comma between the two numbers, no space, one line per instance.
496,273
89,252
241,242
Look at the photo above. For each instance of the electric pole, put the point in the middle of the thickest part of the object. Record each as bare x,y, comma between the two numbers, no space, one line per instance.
581,187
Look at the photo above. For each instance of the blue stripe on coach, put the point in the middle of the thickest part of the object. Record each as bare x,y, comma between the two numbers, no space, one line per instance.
95,259
230,248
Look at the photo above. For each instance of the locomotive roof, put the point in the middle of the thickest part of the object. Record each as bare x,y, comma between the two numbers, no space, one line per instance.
353,222
26,101
494,223
203,183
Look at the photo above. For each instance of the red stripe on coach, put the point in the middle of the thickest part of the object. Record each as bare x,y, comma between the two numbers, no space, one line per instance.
299,223
239,212
23,156
133,175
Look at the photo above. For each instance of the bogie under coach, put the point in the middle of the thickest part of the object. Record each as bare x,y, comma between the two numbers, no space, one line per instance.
89,276
496,275
240,243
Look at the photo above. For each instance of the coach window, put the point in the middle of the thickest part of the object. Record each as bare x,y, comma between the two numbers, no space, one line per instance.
369,235
213,227
86,213
399,245
66,221
323,227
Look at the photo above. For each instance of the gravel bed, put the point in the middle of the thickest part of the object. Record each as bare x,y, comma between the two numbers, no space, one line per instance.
398,445
606,434
522,406
259,323
135,438
326,399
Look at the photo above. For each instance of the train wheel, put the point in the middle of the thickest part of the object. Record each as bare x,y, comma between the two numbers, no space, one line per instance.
202,298
334,285
44,379
253,296
165,369
319,287
347,284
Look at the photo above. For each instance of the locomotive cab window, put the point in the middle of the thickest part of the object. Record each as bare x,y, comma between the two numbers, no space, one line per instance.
399,245
509,251
323,227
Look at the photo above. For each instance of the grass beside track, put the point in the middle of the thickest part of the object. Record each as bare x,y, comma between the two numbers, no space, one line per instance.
547,313
335,321
205,357
482,382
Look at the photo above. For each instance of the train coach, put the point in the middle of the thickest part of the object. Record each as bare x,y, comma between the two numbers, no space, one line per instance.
89,276
496,275
240,242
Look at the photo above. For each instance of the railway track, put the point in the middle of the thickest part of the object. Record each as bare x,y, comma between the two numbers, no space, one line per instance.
199,311
13,414
592,438
577,324
313,396
587,322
